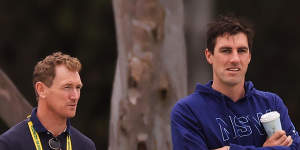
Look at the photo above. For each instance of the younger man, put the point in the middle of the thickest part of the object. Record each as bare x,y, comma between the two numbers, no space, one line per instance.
225,113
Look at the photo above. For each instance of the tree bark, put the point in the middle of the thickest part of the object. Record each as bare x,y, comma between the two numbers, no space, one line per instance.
13,106
198,14
151,73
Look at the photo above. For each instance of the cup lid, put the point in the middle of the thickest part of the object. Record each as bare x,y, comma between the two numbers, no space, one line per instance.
270,116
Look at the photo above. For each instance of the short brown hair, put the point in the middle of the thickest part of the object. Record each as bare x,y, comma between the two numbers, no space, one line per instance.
228,25
44,70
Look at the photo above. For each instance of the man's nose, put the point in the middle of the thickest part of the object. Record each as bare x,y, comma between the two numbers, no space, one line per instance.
75,94
235,58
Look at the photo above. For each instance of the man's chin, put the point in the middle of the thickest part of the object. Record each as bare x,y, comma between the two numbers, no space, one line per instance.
71,114
233,82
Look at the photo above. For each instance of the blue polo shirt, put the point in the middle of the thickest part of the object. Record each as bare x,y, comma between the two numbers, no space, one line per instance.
19,137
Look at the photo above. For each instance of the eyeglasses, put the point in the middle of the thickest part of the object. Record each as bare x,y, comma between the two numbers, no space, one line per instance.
54,144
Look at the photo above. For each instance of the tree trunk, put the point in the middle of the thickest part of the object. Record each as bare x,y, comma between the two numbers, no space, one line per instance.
13,106
151,73
198,14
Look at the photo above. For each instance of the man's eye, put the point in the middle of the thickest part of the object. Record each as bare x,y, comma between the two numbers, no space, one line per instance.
67,87
226,51
242,50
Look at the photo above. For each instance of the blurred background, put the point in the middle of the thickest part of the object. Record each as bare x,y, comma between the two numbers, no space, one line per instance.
30,30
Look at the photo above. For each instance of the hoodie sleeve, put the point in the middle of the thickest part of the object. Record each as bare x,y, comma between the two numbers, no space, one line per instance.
186,134
286,122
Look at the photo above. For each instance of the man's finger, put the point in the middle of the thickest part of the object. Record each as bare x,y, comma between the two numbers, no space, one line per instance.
291,141
282,139
287,141
277,135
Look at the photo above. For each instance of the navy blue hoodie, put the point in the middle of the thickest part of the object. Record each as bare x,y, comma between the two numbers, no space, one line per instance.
208,119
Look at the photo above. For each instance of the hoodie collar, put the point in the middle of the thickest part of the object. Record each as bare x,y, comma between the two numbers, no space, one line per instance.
38,126
249,88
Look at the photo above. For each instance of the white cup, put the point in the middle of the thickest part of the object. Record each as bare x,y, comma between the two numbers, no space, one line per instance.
271,122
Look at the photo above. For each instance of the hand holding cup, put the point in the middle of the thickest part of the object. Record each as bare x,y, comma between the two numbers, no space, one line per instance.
271,122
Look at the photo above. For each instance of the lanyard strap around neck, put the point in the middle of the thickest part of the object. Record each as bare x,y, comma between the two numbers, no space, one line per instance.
37,141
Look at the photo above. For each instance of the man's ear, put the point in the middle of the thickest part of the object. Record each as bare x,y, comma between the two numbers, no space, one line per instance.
208,56
41,89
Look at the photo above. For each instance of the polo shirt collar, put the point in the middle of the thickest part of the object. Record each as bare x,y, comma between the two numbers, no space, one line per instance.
38,126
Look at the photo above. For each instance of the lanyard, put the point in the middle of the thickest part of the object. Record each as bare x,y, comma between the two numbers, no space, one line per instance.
37,141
